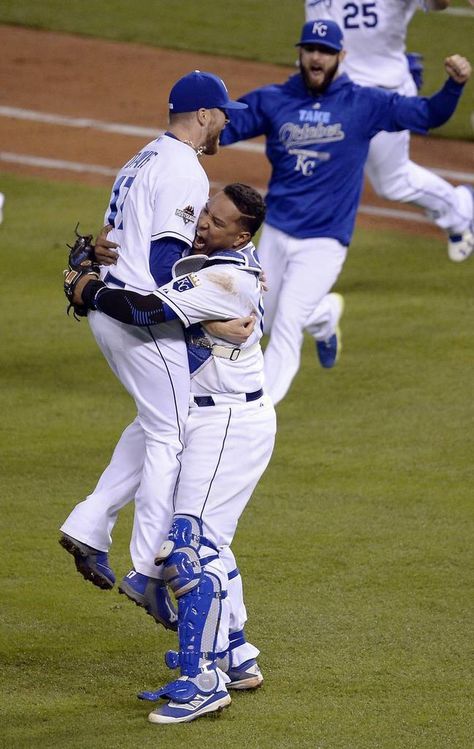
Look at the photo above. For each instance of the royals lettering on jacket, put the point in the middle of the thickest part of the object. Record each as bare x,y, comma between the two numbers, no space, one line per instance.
292,135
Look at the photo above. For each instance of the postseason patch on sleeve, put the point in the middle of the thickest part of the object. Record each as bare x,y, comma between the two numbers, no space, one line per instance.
186,282
187,214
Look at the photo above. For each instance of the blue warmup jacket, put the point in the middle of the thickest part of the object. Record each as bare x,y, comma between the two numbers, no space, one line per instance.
318,144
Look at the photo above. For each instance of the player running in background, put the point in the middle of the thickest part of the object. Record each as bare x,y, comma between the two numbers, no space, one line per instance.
318,127
229,437
375,42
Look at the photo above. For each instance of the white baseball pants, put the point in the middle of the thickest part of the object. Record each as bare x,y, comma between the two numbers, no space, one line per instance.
151,364
300,274
395,177
228,447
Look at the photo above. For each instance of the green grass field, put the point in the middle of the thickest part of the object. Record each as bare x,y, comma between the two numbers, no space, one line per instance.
250,30
355,549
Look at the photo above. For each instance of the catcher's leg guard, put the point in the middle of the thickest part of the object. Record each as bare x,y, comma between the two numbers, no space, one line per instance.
199,592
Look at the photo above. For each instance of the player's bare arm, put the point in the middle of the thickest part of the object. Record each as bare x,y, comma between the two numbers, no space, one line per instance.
105,250
458,68
79,288
236,331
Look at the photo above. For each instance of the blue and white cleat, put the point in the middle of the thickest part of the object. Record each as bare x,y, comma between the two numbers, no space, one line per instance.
461,246
152,595
91,563
190,697
183,712
245,676
329,351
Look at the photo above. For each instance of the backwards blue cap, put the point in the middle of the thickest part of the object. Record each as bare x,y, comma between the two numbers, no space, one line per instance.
322,31
199,90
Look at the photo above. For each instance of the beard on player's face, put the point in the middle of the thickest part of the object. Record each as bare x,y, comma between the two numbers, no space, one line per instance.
217,123
318,68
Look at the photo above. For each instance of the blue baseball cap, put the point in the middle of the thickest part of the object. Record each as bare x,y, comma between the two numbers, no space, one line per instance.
199,90
322,31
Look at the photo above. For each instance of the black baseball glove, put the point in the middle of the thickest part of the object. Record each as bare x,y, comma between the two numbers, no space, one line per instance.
81,262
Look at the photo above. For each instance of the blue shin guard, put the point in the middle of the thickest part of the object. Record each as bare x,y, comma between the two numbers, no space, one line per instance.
199,595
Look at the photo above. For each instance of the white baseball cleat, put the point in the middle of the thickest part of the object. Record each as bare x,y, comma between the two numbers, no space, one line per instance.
2,201
460,246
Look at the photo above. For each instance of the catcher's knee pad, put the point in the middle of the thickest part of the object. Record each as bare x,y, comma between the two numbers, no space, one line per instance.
199,593
180,554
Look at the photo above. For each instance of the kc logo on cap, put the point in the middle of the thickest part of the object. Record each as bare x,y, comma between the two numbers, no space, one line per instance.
323,31
320,28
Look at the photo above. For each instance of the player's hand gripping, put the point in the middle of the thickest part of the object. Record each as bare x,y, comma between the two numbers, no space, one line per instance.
105,251
236,331
458,68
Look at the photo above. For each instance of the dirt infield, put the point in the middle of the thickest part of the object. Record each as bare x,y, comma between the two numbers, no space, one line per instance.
127,83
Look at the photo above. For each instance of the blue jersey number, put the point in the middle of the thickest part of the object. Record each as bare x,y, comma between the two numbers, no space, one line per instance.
119,193
122,186
356,16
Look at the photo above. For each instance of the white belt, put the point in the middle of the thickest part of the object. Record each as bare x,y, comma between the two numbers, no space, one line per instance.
225,352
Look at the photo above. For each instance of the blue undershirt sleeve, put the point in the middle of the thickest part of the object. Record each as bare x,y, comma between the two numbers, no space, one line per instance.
127,306
164,252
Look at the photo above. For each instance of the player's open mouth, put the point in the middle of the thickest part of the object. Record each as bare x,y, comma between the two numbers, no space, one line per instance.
199,242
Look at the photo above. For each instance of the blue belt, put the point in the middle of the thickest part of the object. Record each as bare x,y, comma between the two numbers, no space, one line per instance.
208,400
109,278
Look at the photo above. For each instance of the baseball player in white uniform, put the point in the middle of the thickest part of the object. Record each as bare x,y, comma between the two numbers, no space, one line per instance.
153,209
375,42
229,436
154,206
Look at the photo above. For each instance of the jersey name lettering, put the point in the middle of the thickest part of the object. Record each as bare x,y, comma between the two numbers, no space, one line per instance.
139,160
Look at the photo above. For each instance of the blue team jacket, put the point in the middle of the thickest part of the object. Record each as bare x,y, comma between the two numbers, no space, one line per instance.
317,146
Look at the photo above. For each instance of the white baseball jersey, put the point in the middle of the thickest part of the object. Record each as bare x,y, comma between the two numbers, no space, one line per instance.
158,193
230,429
227,288
374,37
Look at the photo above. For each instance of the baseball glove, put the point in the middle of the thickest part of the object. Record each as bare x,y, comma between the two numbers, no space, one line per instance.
81,262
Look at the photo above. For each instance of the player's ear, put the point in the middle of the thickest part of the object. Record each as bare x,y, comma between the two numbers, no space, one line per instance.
202,116
341,55
243,237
